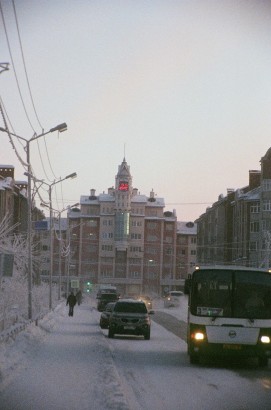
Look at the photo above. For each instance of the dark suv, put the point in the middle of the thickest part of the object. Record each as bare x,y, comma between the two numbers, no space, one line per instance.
105,298
130,317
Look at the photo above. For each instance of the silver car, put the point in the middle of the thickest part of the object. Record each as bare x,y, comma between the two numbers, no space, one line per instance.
173,298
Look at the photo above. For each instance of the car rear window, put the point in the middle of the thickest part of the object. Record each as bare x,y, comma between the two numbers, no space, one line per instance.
130,307
176,293
109,296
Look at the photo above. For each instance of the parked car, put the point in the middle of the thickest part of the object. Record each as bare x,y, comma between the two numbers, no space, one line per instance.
130,317
173,298
104,299
147,300
105,315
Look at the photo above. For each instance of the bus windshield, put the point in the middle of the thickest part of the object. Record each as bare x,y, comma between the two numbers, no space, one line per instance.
231,293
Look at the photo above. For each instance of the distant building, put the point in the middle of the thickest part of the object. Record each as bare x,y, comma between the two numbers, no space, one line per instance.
119,237
237,228
124,238
186,249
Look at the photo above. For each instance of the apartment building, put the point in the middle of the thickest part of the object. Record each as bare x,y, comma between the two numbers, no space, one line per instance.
186,249
124,238
13,199
236,229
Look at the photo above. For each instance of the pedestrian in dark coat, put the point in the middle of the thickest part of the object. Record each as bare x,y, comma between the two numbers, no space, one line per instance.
71,301
79,297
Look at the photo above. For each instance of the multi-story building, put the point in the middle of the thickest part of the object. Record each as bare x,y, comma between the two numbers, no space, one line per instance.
124,238
13,199
186,249
237,228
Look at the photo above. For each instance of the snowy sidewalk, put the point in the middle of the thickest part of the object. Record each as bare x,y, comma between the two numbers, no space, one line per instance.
69,368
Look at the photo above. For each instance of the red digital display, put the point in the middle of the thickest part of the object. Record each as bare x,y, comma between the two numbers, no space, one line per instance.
123,186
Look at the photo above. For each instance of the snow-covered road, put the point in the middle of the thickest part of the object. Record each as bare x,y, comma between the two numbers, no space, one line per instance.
71,364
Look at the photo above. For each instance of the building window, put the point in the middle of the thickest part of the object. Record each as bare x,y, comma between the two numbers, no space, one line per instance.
136,223
151,225
135,261
107,248
122,222
254,227
253,246
267,184
135,275
135,248
91,222
193,252
255,208
135,235
106,273
266,224
152,238
169,251
169,227
193,240
266,205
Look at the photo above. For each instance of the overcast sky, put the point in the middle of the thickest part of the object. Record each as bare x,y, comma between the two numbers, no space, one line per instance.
181,88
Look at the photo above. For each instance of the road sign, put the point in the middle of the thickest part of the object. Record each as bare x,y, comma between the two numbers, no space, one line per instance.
75,284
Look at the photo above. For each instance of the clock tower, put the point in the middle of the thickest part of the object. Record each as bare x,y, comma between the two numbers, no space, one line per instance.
123,192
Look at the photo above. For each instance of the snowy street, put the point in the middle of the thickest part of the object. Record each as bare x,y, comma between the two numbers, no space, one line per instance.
69,363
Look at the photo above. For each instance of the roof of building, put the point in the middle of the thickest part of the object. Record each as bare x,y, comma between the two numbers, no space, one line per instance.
105,197
187,228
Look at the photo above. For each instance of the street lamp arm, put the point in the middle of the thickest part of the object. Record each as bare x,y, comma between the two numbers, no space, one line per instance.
60,128
73,175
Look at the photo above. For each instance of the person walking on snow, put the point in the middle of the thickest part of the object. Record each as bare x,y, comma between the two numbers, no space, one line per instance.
71,301
79,297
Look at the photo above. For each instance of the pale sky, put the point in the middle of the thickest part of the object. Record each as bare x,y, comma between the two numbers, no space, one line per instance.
183,88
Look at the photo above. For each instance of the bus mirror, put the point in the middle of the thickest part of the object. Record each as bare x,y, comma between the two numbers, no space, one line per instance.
187,286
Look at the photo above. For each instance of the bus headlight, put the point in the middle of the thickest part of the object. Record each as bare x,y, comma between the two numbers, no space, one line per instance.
199,336
265,339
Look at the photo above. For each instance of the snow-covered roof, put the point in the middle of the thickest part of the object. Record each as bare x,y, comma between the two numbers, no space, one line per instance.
143,199
187,228
6,183
6,166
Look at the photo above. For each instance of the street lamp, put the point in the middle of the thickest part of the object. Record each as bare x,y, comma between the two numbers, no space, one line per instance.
50,186
60,241
61,127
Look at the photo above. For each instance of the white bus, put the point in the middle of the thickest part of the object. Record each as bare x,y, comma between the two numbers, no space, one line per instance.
229,313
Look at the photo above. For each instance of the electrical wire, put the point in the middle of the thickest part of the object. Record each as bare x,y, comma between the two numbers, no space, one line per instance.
10,137
25,70
14,70
29,88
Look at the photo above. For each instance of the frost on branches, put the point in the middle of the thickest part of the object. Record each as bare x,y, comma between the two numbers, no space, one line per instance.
14,289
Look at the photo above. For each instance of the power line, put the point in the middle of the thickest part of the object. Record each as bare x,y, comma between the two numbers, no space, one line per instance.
14,70
25,70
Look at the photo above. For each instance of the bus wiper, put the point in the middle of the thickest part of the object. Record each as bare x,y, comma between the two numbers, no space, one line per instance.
249,315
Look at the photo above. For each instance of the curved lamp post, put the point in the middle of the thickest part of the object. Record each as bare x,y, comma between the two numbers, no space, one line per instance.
50,186
61,127
60,241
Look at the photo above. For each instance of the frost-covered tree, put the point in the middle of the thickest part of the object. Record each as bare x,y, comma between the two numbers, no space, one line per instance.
14,289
